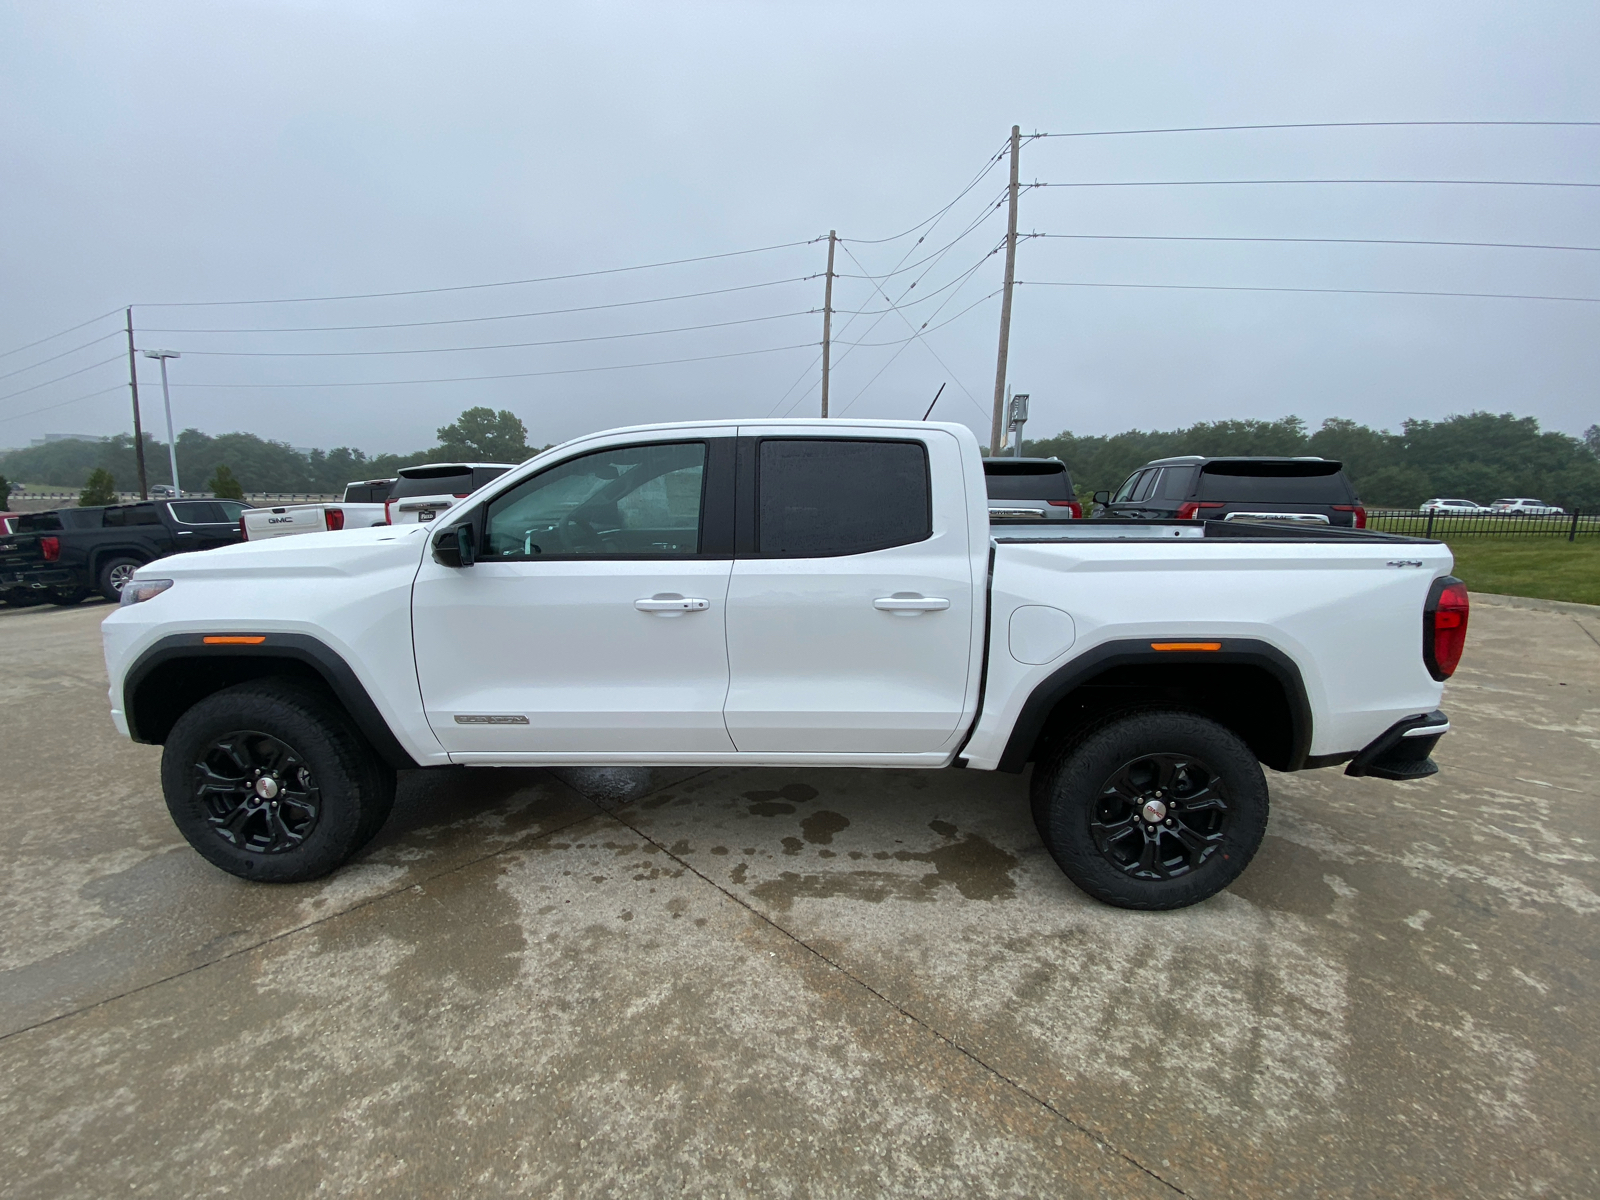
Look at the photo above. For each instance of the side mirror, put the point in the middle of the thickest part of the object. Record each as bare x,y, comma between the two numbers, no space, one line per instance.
456,546
1102,497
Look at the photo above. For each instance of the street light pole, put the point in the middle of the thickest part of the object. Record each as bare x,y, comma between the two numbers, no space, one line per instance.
166,398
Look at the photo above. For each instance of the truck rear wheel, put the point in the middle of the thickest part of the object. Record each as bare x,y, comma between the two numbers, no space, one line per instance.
1153,811
114,574
269,781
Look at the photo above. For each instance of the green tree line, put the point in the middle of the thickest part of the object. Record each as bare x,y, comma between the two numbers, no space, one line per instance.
259,465
1479,456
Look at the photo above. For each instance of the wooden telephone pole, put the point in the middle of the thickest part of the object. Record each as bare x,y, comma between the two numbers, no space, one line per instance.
827,321
138,430
998,428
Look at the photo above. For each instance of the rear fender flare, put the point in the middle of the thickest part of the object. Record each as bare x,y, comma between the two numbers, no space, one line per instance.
1058,685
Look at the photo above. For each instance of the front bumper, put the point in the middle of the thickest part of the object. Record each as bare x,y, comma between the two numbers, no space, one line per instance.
1404,750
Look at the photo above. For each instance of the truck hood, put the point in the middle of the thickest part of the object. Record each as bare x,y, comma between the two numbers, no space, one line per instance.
346,552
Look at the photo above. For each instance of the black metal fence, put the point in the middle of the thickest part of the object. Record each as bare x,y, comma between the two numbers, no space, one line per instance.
1446,526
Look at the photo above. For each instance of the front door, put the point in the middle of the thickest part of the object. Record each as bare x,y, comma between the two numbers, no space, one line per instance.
593,623
851,609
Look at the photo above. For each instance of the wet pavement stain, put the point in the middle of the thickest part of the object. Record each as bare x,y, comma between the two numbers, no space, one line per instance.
974,866
820,827
779,803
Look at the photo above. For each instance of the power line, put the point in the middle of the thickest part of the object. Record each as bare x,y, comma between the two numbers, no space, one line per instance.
471,287
515,375
976,179
934,255
63,354
59,378
1150,237
547,312
1199,287
1114,183
1315,125
116,387
59,333
606,337
927,328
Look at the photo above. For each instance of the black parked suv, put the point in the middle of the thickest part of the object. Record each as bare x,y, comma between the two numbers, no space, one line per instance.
1030,489
66,555
1310,491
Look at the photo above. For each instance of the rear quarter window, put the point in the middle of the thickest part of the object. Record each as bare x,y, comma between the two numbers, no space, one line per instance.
1287,482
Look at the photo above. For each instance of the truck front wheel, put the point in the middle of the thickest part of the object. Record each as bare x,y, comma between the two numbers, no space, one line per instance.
1156,810
269,781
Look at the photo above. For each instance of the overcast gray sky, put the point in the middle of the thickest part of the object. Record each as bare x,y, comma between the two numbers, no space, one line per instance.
154,153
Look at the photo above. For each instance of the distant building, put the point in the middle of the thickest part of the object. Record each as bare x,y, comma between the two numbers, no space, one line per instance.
67,437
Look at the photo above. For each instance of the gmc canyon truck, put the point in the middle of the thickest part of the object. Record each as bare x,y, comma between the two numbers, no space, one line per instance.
787,593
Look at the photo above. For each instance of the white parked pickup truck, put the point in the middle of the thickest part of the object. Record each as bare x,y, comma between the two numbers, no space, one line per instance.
362,506
787,593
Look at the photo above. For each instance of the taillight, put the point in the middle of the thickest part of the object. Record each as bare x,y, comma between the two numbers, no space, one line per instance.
462,495
388,512
1077,509
1444,626
333,518
244,534
1360,519
1188,509
51,547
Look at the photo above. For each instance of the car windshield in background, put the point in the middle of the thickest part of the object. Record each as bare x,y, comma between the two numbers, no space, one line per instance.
1298,482
1027,481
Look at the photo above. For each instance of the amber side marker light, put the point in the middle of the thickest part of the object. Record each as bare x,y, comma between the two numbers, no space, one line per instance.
233,641
1186,645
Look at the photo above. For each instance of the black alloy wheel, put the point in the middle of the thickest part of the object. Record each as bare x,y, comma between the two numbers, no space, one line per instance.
1160,816
258,793
1152,810
270,781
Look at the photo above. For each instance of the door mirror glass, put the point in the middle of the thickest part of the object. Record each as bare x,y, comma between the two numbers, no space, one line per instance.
1102,497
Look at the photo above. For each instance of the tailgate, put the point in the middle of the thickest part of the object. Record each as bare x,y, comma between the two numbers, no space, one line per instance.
263,523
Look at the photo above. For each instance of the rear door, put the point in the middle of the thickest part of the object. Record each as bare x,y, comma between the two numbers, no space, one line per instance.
851,611
205,524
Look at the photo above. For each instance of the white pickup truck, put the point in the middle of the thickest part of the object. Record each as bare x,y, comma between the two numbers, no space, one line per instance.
361,506
787,593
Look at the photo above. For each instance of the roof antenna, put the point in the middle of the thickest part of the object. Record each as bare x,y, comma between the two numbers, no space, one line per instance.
936,396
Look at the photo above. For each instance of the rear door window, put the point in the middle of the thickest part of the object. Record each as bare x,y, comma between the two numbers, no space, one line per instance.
132,514
824,497
1147,484
200,512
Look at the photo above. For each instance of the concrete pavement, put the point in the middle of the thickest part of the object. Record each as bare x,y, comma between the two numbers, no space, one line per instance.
808,983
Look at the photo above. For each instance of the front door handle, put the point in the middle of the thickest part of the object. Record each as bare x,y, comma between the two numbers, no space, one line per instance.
909,605
671,606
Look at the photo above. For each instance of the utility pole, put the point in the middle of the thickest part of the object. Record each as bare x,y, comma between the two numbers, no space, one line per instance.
997,429
827,321
166,396
138,430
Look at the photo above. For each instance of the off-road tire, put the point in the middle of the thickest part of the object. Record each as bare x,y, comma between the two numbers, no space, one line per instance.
352,789
119,567
1081,807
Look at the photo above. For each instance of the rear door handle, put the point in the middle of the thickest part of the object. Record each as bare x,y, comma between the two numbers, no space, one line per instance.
910,606
672,605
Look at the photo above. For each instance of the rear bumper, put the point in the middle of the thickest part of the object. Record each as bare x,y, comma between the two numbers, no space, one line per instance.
1403,751
37,579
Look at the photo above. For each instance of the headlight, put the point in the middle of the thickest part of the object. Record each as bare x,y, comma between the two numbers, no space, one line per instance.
137,591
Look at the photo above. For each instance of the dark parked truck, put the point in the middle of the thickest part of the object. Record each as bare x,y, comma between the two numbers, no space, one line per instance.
1295,491
69,554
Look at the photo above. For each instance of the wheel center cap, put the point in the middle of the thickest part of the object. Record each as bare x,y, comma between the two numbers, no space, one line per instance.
1153,810
267,787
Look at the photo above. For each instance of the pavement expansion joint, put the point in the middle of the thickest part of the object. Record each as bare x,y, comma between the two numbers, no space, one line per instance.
1097,1138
